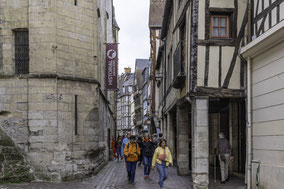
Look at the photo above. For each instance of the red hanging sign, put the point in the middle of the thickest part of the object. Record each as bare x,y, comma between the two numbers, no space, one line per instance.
111,66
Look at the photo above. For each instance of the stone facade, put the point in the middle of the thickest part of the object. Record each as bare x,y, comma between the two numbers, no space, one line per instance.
57,114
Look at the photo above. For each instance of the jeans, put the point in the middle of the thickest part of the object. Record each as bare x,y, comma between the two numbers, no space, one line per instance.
131,168
118,151
163,173
147,165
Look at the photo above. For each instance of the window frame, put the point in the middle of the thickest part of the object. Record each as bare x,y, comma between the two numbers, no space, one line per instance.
25,68
228,26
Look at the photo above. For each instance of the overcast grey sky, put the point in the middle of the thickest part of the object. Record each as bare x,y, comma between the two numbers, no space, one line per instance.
132,18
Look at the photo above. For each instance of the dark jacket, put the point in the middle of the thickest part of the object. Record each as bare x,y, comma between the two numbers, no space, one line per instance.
223,146
148,148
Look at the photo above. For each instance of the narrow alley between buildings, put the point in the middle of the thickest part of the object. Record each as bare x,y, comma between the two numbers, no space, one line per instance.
113,176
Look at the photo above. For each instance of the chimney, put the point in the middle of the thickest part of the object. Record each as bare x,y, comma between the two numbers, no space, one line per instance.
127,70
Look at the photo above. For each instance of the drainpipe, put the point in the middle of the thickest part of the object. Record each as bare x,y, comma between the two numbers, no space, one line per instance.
249,120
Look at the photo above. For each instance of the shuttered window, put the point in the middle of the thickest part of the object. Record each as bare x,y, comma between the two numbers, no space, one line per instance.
21,52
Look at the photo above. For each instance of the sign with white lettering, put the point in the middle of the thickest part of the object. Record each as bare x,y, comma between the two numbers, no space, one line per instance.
111,66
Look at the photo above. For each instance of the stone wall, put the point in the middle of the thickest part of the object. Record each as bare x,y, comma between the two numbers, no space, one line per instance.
48,137
13,166
38,114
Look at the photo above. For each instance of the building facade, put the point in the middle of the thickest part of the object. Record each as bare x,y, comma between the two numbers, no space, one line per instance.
140,65
156,13
265,93
53,106
146,99
201,83
124,102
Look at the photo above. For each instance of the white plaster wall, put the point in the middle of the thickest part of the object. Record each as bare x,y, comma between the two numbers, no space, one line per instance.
213,66
201,65
222,3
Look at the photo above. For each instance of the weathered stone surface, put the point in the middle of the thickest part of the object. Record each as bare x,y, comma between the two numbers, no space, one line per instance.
38,113
13,167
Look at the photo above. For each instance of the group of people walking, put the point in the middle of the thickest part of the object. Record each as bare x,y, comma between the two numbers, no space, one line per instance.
151,152
155,153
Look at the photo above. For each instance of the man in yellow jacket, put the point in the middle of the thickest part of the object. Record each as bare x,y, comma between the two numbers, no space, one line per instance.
131,152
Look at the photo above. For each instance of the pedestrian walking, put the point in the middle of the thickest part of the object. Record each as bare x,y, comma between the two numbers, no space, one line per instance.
160,136
113,146
124,142
155,141
140,157
224,149
118,148
162,159
148,151
131,152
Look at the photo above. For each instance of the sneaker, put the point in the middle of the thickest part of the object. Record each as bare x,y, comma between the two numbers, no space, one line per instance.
145,177
133,183
222,182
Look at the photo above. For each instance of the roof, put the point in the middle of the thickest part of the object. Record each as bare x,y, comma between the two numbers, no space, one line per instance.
129,80
156,13
141,64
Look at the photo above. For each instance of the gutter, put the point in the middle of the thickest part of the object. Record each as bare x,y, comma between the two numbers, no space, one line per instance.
249,120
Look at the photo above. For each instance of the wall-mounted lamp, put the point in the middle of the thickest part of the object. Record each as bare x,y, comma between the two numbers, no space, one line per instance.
158,77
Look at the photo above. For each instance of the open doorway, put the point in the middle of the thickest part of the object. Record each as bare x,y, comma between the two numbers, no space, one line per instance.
228,116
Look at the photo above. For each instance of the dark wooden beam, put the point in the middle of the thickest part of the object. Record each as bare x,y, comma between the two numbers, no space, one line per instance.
207,20
206,72
222,10
267,10
261,27
234,58
269,16
218,92
235,18
242,73
194,44
217,42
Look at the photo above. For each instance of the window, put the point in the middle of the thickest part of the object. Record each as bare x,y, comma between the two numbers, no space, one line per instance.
76,114
21,51
219,26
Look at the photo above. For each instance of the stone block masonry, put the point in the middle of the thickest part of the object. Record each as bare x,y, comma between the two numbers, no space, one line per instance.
13,166
44,126
37,110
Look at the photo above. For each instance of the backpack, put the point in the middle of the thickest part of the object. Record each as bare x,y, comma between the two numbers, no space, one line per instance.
129,144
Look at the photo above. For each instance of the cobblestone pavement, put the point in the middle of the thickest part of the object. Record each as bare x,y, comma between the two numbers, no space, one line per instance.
113,176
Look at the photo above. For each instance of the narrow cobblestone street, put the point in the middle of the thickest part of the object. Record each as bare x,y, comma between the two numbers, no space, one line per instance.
113,176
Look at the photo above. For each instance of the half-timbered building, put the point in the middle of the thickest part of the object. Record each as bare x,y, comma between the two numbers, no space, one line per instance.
155,25
264,54
202,87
